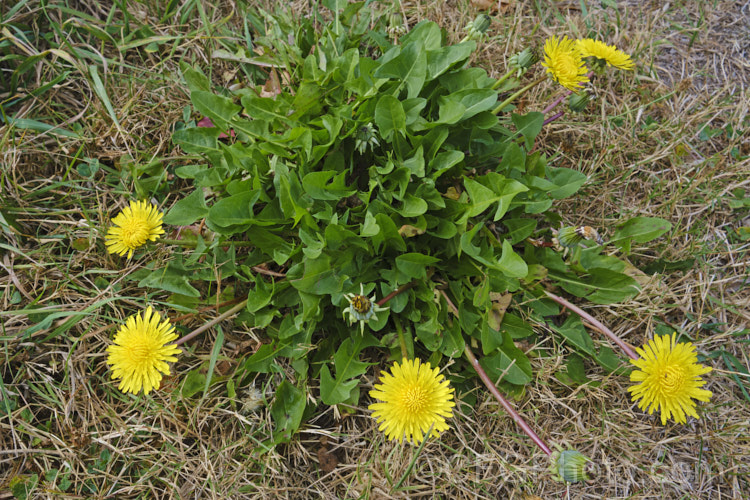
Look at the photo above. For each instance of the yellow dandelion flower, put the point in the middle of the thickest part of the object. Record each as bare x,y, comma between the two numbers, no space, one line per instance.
413,398
669,379
608,53
132,227
564,63
140,352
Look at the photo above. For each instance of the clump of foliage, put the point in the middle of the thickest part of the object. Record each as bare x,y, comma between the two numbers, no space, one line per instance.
377,166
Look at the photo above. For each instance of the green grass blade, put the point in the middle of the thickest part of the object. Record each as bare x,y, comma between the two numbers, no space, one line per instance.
214,355
37,126
737,366
101,92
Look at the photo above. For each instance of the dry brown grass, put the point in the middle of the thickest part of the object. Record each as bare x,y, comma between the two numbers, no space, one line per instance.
692,73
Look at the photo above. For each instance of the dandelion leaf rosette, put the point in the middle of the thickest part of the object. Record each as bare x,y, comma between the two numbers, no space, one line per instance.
381,164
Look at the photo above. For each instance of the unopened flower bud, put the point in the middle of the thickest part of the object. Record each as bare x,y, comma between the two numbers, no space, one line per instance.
526,58
523,60
578,101
366,137
396,25
569,466
482,23
478,27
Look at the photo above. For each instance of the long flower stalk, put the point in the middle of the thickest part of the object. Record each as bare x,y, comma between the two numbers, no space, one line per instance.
553,117
192,244
397,291
557,101
520,92
517,418
596,323
502,79
561,98
230,312
401,339
217,319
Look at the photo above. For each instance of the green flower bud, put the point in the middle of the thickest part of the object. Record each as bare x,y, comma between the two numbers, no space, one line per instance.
570,236
525,59
569,466
578,102
396,25
482,23
366,137
478,27
567,237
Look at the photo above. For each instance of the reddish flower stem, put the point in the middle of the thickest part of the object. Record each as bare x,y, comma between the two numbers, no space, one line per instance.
553,117
517,418
557,101
397,291
242,305
202,310
597,324
565,94
217,319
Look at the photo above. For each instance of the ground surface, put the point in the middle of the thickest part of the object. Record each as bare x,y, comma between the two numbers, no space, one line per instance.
665,141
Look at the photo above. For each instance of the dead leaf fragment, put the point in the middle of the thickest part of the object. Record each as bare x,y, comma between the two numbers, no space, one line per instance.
327,460
484,4
501,6
408,231
223,367
500,303
526,496
452,193
272,87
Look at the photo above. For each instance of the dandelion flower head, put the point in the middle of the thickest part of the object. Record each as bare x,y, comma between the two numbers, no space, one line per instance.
137,223
140,352
413,398
668,379
564,63
361,308
608,53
